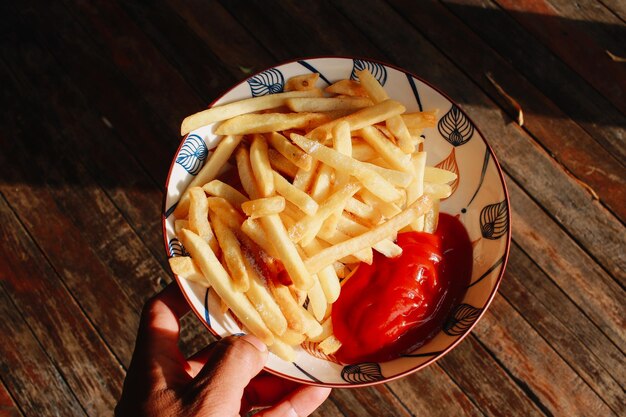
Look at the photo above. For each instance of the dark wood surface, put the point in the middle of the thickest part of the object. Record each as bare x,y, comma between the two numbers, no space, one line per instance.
92,95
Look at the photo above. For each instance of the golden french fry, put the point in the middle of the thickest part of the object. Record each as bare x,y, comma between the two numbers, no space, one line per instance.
294,154
218,188
180,224
263,206
387,150
222,284
226,111
317,300
281,164
302,82
342,143
385,246
226,212
347,88
362,151
361,118
398,178
305,230
303,179
337,237
261,298
283,350
292,311
438,175
246,176
321,183
327,331
328,279
418,121
362,211
292,338
261,168
340,162
269,122
371,237
253,229
289,255
416,188
199,217
232,255
386,209
209,171
330,345
294,195
437,191
184,267
327,104
395,124
431,218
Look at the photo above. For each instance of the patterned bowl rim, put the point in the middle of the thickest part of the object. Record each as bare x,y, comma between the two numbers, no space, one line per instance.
493,291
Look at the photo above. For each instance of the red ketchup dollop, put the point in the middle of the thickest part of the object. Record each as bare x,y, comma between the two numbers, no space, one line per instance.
397,304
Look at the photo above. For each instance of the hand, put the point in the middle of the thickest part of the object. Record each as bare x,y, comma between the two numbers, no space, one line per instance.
223,379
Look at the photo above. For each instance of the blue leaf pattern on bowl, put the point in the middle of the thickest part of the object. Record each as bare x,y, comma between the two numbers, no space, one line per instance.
270,81
378,71
461,319
494,220
192,154
362,372
455,127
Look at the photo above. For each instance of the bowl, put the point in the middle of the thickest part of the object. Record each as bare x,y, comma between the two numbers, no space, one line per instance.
479,199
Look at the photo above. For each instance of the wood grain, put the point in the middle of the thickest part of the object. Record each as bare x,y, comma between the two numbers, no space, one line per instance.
74,347
568,90
578,341
484,381
576,274
563,139
26,367
8,408
558,24
513,342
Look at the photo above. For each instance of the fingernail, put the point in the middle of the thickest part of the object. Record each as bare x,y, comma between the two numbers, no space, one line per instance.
256,342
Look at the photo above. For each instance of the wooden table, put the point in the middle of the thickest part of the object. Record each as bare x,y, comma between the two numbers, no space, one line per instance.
92,97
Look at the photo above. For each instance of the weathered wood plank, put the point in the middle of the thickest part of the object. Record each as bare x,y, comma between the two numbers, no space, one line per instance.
616,7
573,271
567,200
183,46
369,401
335,35
593,31
431,392
130,49
242,53
484,381
56,320
578,341
8,408
118,103
537,63
563,138
535,364
25,374
131,190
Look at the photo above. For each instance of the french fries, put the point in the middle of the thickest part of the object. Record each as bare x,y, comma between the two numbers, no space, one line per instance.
321,182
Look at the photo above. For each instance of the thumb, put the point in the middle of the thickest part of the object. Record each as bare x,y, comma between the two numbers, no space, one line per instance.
233,362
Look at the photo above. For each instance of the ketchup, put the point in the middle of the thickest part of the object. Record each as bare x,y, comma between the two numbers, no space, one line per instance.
397,304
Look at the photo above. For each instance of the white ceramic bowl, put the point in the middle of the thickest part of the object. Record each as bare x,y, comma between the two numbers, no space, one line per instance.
479,199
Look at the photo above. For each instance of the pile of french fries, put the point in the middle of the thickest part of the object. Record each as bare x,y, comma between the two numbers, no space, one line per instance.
303,186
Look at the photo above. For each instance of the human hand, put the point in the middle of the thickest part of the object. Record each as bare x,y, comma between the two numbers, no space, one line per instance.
224,379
